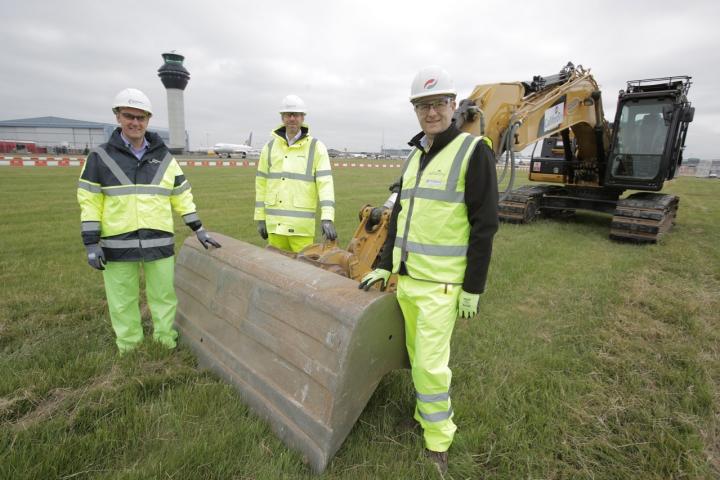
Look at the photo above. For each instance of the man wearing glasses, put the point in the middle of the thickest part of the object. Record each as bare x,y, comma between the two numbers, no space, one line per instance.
439,243
293,176
127,192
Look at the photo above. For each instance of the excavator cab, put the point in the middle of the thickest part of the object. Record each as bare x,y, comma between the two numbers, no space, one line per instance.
649,132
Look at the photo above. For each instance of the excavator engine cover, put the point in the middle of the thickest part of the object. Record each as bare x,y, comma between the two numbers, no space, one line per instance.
304,347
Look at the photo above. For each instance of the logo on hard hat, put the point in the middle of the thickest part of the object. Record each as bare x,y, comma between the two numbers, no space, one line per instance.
430,83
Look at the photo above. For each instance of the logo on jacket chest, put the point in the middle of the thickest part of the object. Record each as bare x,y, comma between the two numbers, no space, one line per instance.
289,162
297,156
154,161
434,178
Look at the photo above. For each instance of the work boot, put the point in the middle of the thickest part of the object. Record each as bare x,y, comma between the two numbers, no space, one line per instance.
440,459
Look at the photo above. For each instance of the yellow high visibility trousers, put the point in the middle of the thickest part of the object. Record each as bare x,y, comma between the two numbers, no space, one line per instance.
430,311
122,288
289,243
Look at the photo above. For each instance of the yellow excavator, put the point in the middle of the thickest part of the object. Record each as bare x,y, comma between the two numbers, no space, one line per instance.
306,349
588,163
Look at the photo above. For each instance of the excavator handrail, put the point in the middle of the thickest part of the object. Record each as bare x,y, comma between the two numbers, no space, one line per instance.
685,79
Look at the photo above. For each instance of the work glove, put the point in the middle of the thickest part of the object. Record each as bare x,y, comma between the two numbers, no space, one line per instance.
95,256
262,229
468,304
377,275
204,237
328,229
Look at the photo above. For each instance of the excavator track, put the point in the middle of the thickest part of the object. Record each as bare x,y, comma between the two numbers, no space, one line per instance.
644,217
521,205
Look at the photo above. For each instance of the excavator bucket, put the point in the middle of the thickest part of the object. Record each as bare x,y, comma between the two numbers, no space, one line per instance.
303,346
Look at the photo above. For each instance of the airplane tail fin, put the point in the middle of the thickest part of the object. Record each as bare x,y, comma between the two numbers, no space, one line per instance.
248,142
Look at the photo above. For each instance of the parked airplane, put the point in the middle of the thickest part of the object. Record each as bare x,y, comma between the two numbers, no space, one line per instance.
227,149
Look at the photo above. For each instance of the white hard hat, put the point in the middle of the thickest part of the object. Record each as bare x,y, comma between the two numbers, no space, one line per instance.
293,103
133,98
432,80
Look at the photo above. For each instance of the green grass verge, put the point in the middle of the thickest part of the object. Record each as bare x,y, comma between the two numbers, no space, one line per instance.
590,359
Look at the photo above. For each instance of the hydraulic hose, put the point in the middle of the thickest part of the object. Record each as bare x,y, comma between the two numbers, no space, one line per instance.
507,143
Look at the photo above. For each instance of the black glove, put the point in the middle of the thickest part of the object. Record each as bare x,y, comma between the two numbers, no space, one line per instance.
95,256
262,229
328,229
205,238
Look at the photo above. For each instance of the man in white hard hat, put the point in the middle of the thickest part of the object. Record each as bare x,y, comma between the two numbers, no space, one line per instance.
439,243
293,177
127,192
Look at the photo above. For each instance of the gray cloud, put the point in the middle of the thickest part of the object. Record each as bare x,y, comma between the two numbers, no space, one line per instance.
351,61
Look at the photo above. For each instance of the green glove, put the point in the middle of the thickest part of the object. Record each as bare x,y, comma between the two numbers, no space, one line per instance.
468,304
373,277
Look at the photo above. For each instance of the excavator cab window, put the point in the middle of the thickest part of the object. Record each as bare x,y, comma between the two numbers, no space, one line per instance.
641,137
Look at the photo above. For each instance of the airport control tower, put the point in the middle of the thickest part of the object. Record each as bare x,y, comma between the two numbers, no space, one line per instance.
175,77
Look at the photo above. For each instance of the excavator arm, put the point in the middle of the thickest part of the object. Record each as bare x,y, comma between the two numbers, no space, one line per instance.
363,250
515,115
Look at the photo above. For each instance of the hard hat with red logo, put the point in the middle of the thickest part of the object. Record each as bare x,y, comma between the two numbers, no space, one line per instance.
133,98
430,81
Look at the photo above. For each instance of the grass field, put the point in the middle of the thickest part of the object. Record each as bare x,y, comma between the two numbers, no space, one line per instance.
590,359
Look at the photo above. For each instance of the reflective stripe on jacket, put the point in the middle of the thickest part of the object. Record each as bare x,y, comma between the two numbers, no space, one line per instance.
126,204
290,182
432,226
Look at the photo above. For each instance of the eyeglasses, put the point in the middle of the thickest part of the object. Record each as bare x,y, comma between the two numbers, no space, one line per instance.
292,114
130,116
435,104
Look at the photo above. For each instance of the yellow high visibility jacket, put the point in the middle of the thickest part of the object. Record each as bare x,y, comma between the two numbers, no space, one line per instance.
432,226
291,181
126,204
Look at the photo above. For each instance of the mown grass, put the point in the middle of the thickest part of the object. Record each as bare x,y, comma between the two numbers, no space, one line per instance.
590,359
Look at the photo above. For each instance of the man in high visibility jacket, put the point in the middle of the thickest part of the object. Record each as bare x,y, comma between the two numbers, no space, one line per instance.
439,243
127,192
293,176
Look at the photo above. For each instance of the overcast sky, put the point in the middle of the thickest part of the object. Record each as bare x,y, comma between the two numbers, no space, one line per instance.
351,61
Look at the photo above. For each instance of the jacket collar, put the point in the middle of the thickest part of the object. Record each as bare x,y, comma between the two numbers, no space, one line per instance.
126,141
280,132
440,142
154,141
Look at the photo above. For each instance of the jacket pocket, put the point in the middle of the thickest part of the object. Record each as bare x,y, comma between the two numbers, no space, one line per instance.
271,199
300,201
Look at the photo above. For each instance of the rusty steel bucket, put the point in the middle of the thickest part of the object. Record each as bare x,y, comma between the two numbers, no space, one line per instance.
304,347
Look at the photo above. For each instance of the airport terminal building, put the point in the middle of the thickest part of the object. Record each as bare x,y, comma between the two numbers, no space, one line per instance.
58,133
